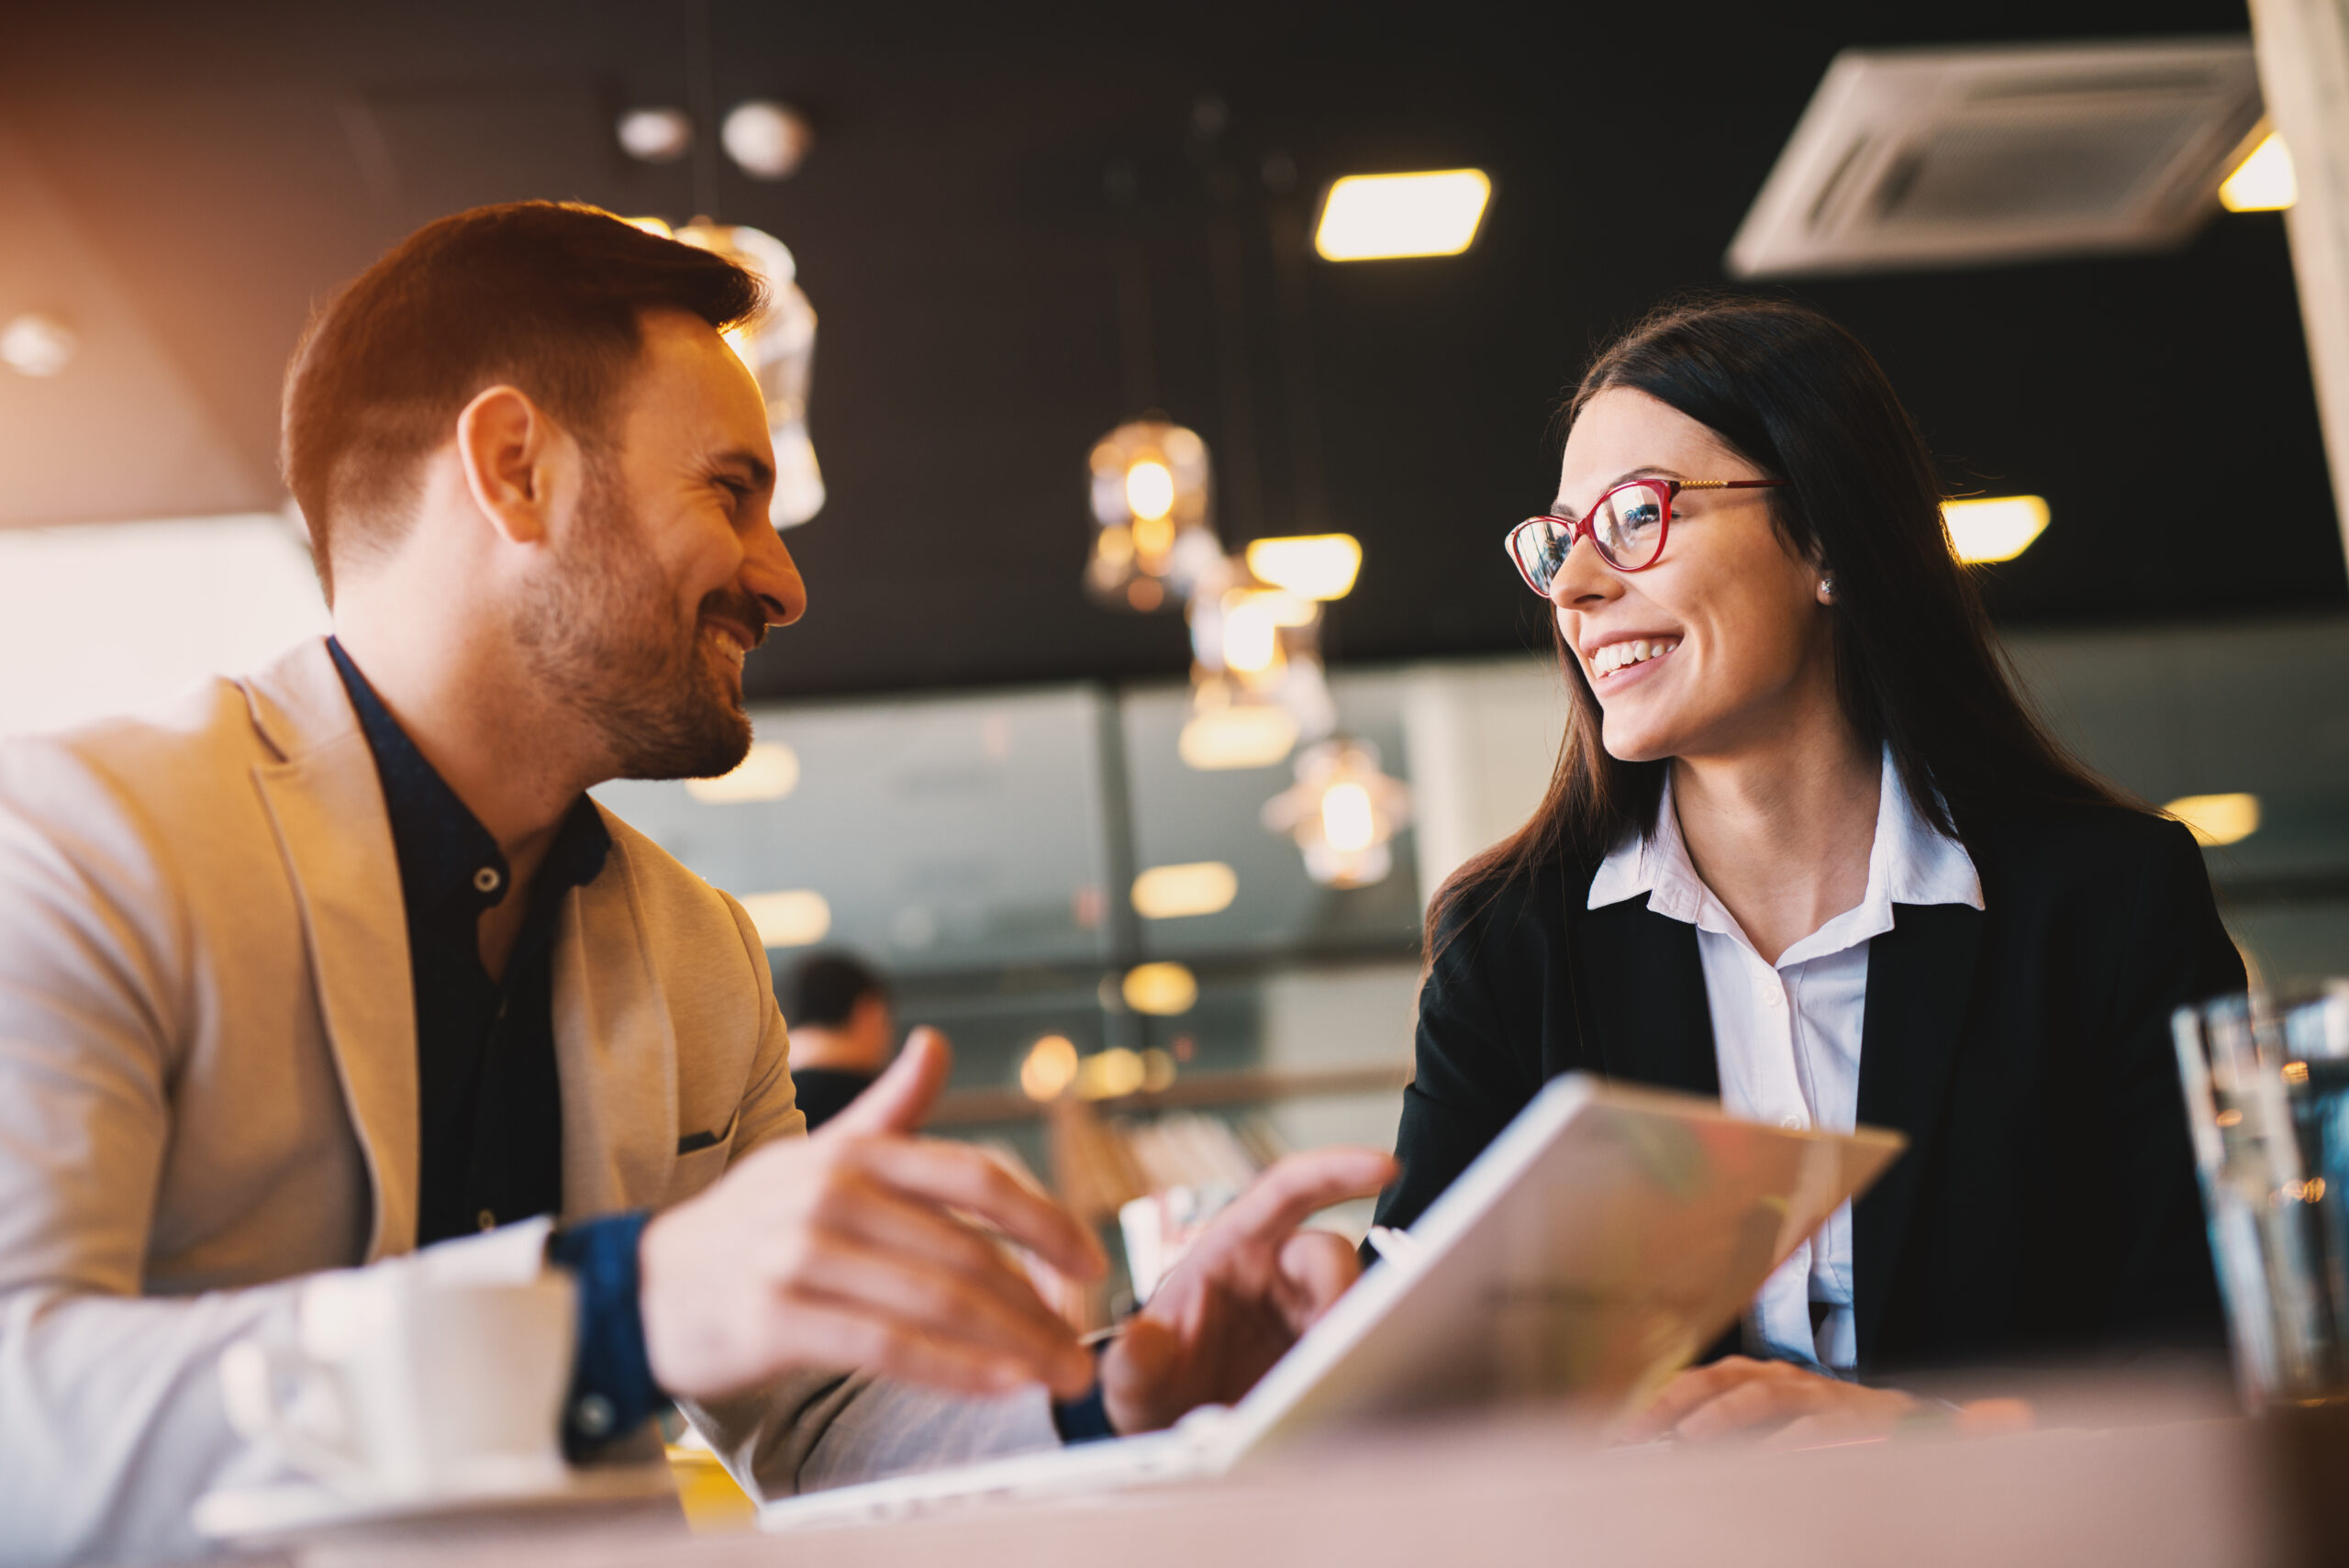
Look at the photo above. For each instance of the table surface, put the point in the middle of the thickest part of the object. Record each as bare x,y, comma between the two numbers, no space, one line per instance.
2135,1473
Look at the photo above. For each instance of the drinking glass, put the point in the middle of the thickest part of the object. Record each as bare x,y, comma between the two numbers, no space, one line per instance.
2268,1096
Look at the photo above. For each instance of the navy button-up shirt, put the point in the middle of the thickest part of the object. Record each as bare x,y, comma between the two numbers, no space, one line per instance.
489,1095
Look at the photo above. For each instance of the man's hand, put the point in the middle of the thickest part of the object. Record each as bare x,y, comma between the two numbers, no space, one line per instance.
1240,1298
851,1247
1790,1406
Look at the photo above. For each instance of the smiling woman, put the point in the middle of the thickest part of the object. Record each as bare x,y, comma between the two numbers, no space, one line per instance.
1805,848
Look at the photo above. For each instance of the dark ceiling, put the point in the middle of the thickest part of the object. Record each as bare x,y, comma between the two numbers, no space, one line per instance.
229,164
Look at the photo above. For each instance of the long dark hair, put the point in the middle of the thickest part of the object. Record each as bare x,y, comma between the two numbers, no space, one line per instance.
1801,399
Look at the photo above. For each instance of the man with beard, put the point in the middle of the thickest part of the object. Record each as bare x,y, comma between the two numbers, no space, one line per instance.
337,967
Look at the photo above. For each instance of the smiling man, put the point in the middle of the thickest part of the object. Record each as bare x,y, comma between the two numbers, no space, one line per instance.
338,961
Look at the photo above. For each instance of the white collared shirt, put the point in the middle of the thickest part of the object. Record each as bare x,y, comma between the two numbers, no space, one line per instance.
1787,1037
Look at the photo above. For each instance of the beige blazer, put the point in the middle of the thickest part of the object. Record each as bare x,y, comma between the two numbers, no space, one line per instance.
208,1089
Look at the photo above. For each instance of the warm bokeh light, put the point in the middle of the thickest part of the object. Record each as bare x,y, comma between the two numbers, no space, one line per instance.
1347,821
1994,527
1161,990
1048,1068
797,919
1314,566
1157,1070
1245,735
1370,217
769,772
2217,818
1196,887
2264,182
1109,1074
1251,636
1150,490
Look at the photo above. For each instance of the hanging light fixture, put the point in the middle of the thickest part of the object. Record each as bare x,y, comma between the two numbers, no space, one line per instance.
1342,813
780,349
1151,490
1257,685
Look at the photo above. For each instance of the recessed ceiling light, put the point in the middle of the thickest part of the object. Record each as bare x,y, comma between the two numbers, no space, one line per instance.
656,135
769,771
2217,819
2264,182
1161,990
767,139
1994,527
1313,566
1373,218
1174,892
1049,1067
797,919
1245,735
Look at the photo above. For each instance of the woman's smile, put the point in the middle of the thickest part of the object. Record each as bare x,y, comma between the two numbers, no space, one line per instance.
1620,660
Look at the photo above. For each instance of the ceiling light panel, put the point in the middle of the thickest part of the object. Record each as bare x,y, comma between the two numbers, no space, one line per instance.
2264,182
1994,527
1376,217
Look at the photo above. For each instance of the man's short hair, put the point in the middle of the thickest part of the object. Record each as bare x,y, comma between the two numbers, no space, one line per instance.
544,296
824,988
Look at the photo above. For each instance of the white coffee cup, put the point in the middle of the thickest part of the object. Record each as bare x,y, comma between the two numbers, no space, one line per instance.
402,1386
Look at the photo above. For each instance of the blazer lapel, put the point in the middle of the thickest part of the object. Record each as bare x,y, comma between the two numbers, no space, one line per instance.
1921,975
616,1048
1641,993
327,805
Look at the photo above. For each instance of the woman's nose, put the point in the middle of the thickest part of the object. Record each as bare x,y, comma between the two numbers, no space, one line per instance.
1582,579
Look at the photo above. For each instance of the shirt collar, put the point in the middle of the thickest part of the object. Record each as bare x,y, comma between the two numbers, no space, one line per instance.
1910,863
444,851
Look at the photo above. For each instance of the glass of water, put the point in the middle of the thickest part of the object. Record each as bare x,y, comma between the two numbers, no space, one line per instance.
2267,1094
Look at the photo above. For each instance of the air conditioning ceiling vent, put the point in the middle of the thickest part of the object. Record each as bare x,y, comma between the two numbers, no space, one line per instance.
1925,158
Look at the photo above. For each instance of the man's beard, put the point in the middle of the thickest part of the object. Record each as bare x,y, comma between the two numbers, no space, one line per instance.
603,641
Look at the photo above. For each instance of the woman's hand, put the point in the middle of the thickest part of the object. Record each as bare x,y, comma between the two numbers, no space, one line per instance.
1250,1285
1788,1405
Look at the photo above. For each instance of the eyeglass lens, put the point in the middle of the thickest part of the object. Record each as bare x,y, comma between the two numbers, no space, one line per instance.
1626,527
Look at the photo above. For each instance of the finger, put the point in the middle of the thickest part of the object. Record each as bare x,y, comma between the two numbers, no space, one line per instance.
962,1177
1756,1401
900,1227
901,1096
1007,1323
1317,1267
886,1218
1685,1393
1294,1189
1138,1374
817,1333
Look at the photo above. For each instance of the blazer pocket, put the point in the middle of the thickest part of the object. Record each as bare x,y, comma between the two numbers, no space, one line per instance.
694,1142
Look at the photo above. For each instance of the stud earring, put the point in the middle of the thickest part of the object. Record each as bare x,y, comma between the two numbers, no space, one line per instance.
1827,587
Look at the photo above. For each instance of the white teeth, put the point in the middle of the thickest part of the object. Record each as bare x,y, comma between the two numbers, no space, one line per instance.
1617,655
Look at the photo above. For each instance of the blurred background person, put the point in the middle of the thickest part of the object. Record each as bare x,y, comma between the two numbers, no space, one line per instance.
843,1032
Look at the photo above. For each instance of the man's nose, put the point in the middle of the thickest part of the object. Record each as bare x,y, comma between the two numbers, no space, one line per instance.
771,577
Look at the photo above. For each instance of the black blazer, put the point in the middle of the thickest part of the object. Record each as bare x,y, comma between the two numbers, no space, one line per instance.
2047,1203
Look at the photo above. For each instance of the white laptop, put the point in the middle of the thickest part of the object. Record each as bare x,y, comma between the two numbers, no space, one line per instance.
1607,1237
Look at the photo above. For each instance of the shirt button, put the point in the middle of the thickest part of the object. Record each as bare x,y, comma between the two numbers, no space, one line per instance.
1791,1122
486,1220
1774,998
486,879
594,1416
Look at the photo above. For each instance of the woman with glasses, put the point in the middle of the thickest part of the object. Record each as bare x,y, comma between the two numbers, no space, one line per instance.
1806,850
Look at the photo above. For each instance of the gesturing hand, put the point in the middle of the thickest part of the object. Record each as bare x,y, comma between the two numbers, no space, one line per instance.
848,1249
1790,1405
1237,1301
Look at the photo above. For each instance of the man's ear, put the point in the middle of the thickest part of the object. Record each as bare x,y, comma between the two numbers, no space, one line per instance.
512,455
